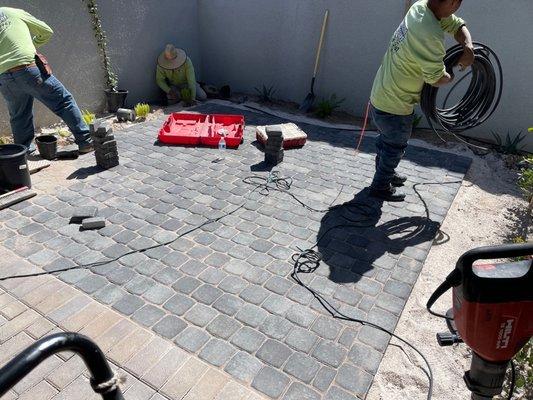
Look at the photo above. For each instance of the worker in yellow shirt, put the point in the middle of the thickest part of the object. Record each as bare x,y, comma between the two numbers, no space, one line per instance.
414,57
22,81
175,73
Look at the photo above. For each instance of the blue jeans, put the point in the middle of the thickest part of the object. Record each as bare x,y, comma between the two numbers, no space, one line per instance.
394,133
19,88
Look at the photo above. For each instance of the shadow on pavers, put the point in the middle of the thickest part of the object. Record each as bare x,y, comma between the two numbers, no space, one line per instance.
351,239
85,172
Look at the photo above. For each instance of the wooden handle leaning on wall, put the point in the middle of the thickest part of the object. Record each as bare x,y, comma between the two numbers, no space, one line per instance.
321,42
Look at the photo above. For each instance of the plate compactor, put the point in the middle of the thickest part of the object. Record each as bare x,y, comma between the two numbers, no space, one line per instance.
492,312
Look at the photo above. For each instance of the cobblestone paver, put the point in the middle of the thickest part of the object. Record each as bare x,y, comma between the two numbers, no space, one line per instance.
154,368
224,291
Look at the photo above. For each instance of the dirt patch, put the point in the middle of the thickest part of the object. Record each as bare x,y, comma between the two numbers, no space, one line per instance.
486,211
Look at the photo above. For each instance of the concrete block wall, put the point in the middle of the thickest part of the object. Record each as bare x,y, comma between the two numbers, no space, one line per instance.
248,43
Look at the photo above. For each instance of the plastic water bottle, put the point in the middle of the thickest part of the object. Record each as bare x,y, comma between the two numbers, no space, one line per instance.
222,141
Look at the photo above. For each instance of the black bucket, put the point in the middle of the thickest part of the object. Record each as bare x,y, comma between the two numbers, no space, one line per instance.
14,171
115,100
47,145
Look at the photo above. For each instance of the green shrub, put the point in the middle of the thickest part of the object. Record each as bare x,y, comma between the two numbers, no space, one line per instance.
142,110
186,96
88,117
325,107
524,375
266,94
510,145
417,120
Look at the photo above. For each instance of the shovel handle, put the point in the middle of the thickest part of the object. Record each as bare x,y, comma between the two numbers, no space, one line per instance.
321,41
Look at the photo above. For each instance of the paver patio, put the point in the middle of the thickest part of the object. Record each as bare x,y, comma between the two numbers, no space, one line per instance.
224,292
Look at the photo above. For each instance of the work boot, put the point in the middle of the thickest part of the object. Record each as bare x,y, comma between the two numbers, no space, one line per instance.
86,148
398,180
388,194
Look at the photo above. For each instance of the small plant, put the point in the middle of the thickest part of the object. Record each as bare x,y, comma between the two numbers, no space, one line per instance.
266,94
4,140
64,133
416,121
326,106
524,375
186,96
142,110
511,145
88,117
525,181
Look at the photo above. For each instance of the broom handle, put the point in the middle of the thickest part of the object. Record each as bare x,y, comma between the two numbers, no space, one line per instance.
319,50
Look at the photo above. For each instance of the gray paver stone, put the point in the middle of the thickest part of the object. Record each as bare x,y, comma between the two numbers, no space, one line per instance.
248,339
297,391
353,379
329,353
169,326
323,378
274,353
207,294
302,367
200,315
217,352
301,339
192,339
178,304
243,367
128,304
270,382
223,326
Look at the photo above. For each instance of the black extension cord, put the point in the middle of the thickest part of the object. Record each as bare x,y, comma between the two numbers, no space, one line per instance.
480,100
359,215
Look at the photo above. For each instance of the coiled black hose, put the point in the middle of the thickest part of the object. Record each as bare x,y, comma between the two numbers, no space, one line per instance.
480,99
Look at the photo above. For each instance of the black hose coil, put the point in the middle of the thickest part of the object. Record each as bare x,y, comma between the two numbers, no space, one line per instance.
480,99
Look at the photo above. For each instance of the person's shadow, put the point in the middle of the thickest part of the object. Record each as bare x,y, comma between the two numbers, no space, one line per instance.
350,239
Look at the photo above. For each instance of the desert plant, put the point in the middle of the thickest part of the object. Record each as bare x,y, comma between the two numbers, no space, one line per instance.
64,133
524,375
325,107
186,96
142,110
266,94
525,181
101,41
416,121
88,117
510,145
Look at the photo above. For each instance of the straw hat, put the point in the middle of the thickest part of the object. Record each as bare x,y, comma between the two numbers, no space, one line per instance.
177,57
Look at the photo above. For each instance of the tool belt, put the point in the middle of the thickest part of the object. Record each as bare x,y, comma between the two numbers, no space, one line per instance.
43,65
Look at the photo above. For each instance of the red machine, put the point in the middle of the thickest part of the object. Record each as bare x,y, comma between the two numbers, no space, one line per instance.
492,312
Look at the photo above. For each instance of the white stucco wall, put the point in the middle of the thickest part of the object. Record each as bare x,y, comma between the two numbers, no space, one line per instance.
247,43
137,31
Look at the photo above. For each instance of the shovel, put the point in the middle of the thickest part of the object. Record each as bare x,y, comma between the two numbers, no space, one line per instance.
310,99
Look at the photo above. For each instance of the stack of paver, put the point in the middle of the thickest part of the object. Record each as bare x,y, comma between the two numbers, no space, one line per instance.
105,145
274,145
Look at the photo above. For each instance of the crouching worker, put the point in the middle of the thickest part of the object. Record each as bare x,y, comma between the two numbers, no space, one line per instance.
24,76
175,76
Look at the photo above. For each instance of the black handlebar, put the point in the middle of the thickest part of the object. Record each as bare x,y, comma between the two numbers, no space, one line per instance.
103,380
466,261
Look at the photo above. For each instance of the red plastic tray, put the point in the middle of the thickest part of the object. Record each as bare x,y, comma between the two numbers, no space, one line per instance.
232,124
201,129
182,129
